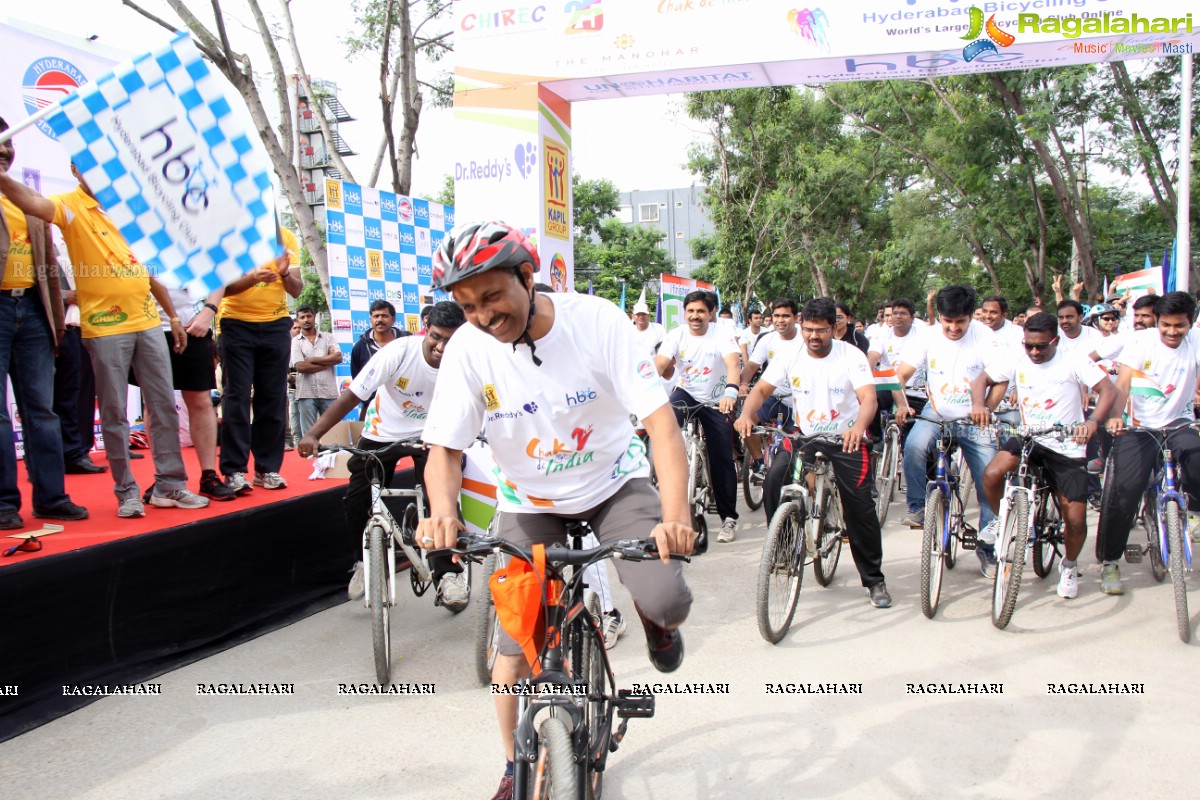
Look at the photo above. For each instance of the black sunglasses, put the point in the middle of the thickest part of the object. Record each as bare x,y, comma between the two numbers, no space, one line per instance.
1029,348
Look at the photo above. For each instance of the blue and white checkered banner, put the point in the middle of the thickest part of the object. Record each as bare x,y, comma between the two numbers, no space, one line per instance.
172,160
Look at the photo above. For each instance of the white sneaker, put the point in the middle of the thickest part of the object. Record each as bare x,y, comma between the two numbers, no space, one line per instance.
238,483
177,498
131,507
454,592
613,625
990,531
357,588
269,480
1068,582
728,531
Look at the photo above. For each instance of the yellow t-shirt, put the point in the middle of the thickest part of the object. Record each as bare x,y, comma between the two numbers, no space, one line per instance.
264,302
112,286
18,269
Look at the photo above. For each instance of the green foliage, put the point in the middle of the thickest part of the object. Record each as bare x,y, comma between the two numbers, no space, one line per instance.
625,253
594,201
446,195
312,293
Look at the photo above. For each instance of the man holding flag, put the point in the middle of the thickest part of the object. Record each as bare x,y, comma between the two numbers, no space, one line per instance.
121,331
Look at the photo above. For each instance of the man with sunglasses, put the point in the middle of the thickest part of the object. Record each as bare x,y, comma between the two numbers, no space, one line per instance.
952,353
832,391
1155,385
1049,387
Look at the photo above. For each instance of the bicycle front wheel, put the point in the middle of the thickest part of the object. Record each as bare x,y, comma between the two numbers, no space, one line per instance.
1149,516
752,486
829,536
780,572
1176,564
885,475
932,560
1010,558
1048,527
487,628
554,773
380,599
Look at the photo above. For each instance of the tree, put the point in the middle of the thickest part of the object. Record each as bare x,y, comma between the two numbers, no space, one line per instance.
626,253
278,141
390,29
446,195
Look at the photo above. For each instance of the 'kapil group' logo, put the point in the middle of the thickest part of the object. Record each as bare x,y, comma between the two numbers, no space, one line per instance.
811,25
47,81
995,36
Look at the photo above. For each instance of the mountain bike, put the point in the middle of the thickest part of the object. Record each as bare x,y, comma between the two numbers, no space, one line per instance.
1021,531
700,497
381,536
770,439
945,526
887,466
807,526
565,713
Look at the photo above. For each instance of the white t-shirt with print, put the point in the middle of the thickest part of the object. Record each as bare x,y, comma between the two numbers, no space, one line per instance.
1084,344
402,382
950,366
1165,378
1049,394
889,345
700,361
823,390
747,336
773,346
559,432
651,337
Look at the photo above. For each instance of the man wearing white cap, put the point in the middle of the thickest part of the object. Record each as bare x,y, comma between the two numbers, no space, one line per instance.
650,333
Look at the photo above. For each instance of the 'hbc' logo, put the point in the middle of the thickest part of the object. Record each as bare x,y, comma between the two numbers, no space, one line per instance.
581,397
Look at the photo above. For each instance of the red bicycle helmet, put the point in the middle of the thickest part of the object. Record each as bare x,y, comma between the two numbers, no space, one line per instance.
475,247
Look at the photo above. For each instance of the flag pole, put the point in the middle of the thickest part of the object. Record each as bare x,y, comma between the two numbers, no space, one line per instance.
29,122
1183,233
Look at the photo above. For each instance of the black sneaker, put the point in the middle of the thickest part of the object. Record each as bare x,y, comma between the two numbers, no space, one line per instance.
11,521
213,487
66,510
84,466
666,647
879,595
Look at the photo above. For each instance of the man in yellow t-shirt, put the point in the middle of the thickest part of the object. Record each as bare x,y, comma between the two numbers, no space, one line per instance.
120,331
31,322
255,348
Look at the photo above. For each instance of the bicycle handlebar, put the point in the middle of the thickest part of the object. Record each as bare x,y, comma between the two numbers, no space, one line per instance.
414,443
559,556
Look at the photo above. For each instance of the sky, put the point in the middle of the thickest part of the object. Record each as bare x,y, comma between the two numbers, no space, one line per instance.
637,143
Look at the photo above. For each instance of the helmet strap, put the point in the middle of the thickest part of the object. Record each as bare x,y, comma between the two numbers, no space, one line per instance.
525,336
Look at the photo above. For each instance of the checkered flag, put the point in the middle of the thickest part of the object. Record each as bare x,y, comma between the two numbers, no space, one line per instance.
175,166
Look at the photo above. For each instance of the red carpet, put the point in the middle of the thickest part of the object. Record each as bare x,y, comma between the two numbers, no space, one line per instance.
95,492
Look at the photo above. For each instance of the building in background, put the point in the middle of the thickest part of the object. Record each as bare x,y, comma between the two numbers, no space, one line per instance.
679,214
315,161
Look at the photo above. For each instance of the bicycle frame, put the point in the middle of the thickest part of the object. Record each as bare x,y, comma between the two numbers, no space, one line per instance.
1166,490
798,490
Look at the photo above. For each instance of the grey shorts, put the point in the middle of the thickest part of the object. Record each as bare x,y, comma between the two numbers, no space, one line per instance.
658,589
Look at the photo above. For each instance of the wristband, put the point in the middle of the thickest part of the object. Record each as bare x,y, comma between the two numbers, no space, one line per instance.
176,319
283,275
731,392
211,307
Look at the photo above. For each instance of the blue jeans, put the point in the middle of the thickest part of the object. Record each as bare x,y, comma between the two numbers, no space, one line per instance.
978,446
310,408
27,357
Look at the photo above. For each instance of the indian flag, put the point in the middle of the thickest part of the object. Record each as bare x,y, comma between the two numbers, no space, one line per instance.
1141,386
886,380
1142,280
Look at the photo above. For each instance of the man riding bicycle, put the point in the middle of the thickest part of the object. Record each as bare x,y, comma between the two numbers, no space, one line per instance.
952,354
1157,377
832,391
555,377
401,377
1049,388
706,362
778,343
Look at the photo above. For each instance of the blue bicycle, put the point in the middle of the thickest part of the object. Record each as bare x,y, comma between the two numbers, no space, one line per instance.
945,525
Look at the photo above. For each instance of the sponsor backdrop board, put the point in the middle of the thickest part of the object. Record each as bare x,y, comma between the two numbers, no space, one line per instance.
380,247
672,290
592,49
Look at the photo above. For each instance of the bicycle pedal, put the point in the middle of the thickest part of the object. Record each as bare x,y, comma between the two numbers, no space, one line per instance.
634,706
968,539
1133,554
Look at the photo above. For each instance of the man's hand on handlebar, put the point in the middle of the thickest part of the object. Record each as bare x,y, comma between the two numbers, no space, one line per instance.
744,425
307,447
981,416
673,537
438,532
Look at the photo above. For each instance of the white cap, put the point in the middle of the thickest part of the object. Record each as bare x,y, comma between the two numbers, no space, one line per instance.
641,308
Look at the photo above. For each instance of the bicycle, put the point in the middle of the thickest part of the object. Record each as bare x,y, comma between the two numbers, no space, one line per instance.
565,754
752,479
487,626
887,466
807,526
1020,532
945,528
381,536
700,497
1169,545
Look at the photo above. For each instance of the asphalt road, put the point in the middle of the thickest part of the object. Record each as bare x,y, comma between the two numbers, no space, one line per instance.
884,741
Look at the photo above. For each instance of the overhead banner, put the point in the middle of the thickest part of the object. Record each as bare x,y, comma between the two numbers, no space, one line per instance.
380,247
590,50
672,290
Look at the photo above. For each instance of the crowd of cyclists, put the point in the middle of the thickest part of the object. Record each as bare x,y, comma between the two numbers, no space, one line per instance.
553,379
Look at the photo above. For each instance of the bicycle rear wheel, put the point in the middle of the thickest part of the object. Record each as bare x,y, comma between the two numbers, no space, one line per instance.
752,486
554,772
885,475
1149,516
1047,528
1176,564
932,551
1010,558
829,536
780,572
380,598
